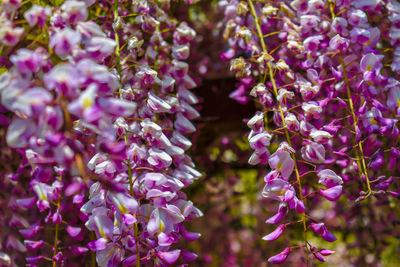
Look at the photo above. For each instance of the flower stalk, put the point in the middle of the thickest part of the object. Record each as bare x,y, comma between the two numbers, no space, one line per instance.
288,139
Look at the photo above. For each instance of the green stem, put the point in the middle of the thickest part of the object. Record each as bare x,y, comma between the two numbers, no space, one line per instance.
55,246
118,65
117,48
359,152
272,79
362,167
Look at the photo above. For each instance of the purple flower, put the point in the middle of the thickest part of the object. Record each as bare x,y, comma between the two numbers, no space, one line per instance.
157,104
125,203
98,244
357,17
117,107
319,257
64,41
311,109
309,21
393,100
26,203
339,25
73,231
30,232
19,132
163,219
338,43
260,141
275,234
188,256
159,158
74,11
280,258
326,252
183,125
371,62
37,15
320,228
101,224
170,257
183,33
100,47
259,157
332,193
85,101
189,236
360,35
278,217
311,43
282,162
10,36
64,78
313,152
34,259
27,61
256,122
32,101
329,178
319,136
240,95
276,189
111,255
33,245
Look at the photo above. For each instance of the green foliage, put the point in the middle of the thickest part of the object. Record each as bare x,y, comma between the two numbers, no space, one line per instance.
3,70
242,144
249,220
57,2
390,256
248,185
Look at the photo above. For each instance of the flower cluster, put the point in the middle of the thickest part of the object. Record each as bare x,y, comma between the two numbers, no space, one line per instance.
328,101
97,116
101,109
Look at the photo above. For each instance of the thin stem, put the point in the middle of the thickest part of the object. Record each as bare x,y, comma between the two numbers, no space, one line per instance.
116,36
67,116
118,65
306,173
360,152
310,194
270,34
55,248
271,76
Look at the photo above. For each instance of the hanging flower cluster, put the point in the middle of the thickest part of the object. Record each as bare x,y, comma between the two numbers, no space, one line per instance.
318,72
96,115
100,106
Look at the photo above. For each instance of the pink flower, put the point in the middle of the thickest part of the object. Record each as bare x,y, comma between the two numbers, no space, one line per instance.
275,234
280,258
329,178
282,162
37,15
332,193
170,257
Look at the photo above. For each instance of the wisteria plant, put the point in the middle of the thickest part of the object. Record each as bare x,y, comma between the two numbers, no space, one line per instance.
98,115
